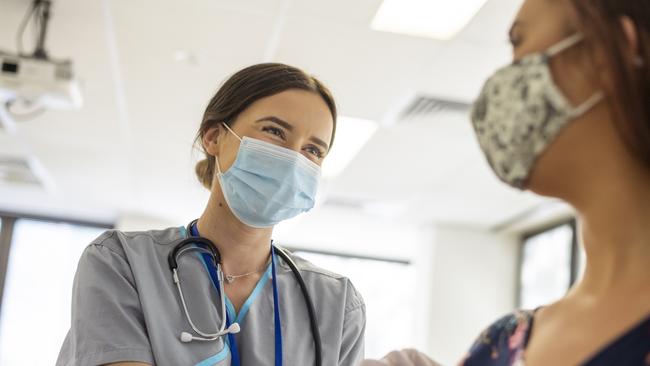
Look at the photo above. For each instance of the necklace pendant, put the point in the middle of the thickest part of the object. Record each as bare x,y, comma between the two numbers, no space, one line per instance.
230,279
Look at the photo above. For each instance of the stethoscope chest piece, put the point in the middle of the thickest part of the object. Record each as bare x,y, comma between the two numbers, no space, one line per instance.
202,246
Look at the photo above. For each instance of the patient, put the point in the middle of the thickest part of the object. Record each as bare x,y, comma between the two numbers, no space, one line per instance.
570,119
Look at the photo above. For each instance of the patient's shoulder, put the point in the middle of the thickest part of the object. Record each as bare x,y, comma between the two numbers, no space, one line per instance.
502,343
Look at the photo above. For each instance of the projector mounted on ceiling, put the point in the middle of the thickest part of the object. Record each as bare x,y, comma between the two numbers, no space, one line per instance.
38,82
35,82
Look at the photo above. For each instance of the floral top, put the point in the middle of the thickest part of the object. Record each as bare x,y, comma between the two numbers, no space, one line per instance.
504,342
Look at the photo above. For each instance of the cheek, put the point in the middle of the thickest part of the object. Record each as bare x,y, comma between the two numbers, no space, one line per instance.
564,159
573,79
226,161
227,156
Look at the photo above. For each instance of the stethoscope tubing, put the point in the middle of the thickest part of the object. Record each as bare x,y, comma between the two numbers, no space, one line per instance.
209,248
313,323
177,281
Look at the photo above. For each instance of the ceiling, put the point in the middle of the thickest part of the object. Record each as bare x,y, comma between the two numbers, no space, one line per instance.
148,68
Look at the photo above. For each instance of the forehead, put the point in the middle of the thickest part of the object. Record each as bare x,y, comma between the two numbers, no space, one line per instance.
546,14
303,109
540,24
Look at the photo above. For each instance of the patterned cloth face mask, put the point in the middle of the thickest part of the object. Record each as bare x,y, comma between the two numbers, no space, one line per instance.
520,111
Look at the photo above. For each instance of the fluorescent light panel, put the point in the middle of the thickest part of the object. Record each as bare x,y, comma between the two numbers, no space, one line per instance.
439,19
351,135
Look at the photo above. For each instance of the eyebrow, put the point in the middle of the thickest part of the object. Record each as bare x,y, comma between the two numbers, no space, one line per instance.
289,127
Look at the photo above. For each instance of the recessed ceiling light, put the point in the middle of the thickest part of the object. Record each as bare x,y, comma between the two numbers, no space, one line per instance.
185,57
439,19
351,135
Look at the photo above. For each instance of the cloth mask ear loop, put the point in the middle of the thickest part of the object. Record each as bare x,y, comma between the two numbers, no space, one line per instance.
216,158
588,104
563,46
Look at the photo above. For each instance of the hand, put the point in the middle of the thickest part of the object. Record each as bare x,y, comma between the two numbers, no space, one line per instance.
407,357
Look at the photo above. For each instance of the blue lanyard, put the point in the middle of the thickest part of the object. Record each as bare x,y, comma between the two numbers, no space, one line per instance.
212,270
276,311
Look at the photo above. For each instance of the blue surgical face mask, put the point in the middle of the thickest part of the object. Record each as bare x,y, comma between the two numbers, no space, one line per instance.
267,183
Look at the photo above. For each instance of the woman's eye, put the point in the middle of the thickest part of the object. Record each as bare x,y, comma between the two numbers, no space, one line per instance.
315,151
274,131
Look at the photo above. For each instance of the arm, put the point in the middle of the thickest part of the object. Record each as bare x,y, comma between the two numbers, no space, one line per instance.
407,357
501,342
107,320
352,344
354,328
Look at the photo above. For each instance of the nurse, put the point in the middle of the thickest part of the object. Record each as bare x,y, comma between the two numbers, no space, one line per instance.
265,135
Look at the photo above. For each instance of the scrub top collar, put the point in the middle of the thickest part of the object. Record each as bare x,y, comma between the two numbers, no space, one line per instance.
232,342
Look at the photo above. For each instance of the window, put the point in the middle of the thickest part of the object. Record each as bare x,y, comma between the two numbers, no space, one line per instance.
35,307
382,284
548,266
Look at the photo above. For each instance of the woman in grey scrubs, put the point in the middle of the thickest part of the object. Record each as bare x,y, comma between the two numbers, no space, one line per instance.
265,134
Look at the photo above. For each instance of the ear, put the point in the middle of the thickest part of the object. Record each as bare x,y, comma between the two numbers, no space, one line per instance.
632,37
211,138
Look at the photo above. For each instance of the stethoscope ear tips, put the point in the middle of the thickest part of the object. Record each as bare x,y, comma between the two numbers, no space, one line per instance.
186,337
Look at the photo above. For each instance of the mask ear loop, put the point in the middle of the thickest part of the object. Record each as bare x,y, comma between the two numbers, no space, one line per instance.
588,104
564,44
231,131
216,158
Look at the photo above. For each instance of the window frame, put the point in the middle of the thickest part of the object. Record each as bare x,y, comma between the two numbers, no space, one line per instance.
294,249
8,222
575,252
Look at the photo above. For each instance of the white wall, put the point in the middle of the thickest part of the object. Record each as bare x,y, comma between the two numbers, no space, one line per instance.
352,232
473,282
131,221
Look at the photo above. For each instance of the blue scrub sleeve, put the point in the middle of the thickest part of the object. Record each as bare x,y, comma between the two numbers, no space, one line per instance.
107,320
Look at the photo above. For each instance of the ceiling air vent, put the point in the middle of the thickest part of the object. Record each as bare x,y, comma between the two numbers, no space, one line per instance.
423,108
17,171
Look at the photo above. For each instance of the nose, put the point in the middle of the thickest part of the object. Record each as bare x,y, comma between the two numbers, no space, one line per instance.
295,144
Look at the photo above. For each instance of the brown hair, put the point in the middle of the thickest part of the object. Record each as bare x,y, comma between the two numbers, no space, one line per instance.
629,87
246,87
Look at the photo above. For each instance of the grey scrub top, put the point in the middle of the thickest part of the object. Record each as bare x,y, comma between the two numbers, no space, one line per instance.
125,307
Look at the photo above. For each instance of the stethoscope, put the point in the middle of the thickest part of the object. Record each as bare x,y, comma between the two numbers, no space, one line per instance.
212,259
